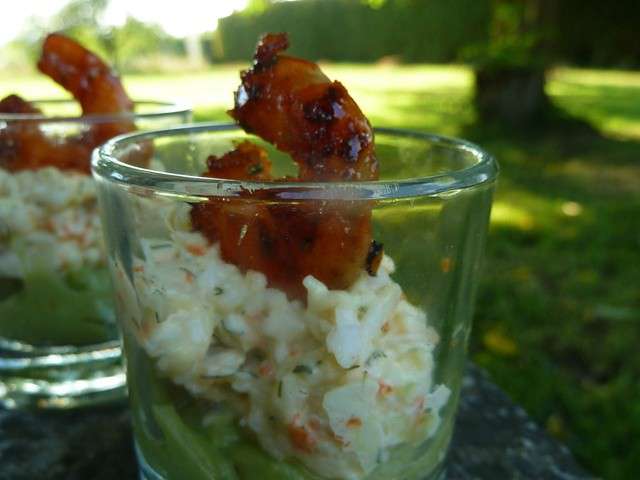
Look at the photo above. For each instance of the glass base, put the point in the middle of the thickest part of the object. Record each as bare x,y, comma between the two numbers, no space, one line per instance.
146,472
144,469
60,377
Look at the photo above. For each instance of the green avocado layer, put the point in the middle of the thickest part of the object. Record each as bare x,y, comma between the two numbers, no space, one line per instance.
47,308
174,440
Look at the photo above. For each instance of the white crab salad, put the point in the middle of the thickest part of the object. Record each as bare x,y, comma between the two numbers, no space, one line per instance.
336,383
50,214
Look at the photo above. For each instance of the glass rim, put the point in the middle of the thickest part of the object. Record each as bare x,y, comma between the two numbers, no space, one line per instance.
164,108
145,181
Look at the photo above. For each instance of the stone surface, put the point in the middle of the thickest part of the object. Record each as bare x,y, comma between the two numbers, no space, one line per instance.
494,439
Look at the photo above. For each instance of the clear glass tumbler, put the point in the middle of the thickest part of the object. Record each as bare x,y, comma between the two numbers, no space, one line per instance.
59,343
231,375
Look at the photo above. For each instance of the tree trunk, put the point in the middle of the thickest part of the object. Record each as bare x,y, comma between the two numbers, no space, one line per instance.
510,95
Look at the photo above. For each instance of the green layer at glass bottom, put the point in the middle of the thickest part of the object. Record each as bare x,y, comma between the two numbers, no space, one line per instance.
48,308
172,438
175,442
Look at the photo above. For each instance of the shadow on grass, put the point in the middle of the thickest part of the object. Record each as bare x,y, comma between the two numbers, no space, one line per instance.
562,155
561,287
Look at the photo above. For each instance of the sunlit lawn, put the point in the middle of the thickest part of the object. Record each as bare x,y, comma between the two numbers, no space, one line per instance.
558,315
421,97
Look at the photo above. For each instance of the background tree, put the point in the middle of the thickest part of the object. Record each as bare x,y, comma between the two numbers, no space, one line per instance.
510,68
356,31
81,19
123,46
135,41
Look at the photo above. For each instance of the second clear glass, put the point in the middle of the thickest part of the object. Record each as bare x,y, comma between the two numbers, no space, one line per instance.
59,345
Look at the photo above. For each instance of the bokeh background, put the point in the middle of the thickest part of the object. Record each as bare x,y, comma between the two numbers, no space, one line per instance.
551,88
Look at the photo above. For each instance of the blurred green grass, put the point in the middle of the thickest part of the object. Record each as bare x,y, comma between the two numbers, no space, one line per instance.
557,321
